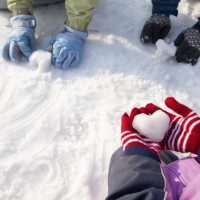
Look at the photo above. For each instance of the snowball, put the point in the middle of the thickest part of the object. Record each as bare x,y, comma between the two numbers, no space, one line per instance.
41,59
164,50
152,126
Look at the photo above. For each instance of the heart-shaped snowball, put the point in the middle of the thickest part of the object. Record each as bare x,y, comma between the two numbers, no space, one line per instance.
152,126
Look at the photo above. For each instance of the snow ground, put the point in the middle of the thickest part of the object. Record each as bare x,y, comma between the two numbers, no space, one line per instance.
59,129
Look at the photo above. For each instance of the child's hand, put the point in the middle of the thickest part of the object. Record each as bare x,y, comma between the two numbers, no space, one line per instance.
21,41
155,28
184,131
132,141
188,45
67,48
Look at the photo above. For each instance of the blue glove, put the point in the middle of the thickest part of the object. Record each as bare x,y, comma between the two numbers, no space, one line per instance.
21,41
67,48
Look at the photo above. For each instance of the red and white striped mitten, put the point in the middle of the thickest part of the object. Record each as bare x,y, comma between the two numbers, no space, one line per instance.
184,131
133,142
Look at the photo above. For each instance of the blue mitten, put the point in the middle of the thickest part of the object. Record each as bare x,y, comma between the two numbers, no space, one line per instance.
67,48
21,41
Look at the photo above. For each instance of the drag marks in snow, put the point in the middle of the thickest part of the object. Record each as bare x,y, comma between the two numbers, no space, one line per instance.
57,135
25,176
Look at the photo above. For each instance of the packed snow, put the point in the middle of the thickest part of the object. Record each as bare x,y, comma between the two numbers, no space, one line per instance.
164,50
60,128
153,126
41,60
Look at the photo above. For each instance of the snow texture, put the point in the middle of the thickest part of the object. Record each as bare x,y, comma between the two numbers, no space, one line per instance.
152,126
60,128
164,50
41,60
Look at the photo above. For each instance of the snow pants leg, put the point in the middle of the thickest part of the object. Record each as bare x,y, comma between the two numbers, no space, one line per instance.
3,3
134,177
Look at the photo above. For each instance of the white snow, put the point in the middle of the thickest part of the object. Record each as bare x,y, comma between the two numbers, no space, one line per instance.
164,50
41,60
60,128
152,126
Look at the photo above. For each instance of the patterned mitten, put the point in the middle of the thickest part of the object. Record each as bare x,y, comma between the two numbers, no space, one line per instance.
184,131
133,142
155,28
188,45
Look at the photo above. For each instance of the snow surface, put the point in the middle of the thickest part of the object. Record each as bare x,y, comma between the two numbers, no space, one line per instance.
60,128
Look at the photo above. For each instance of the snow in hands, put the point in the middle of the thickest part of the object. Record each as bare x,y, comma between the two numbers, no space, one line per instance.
152,126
